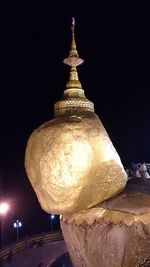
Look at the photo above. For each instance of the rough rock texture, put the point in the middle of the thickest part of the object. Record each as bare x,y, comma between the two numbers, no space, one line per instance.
72,164
115,233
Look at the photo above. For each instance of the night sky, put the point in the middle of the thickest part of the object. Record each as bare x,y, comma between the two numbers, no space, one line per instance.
113,38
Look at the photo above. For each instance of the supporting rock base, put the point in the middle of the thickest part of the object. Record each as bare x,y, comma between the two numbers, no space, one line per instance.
113,234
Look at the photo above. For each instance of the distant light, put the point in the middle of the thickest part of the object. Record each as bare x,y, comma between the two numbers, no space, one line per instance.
52,216
4,207
17,224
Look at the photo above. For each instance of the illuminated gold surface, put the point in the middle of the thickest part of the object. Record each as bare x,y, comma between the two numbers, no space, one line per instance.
74,100
70,160
115,233
72,164
126,208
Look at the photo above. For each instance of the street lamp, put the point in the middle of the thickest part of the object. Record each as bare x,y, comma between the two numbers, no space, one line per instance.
4,207
52,217
17,225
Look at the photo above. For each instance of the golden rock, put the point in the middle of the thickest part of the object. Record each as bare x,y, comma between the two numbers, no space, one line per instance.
70,160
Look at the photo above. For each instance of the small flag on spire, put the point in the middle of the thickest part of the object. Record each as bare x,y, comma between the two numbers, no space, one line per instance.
73,21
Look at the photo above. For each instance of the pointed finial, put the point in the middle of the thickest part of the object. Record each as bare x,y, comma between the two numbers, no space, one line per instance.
73,26
73,21
74,100
73,59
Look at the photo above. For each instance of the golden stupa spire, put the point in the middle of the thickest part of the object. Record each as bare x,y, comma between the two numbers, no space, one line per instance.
74,99
73,61
73,51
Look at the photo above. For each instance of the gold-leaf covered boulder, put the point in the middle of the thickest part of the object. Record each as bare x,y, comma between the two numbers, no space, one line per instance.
70,160
72,164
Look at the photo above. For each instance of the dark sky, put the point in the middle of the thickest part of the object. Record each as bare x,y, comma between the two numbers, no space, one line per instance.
113,38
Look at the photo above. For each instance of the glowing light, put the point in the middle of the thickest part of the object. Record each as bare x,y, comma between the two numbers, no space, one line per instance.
52,216
4,207
17,224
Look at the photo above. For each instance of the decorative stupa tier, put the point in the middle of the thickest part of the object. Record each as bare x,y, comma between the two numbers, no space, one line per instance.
74,99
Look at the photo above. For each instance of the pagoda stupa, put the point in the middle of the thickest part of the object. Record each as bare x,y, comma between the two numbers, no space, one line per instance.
76,172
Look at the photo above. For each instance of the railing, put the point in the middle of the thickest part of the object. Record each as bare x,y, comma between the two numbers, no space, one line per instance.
30,242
